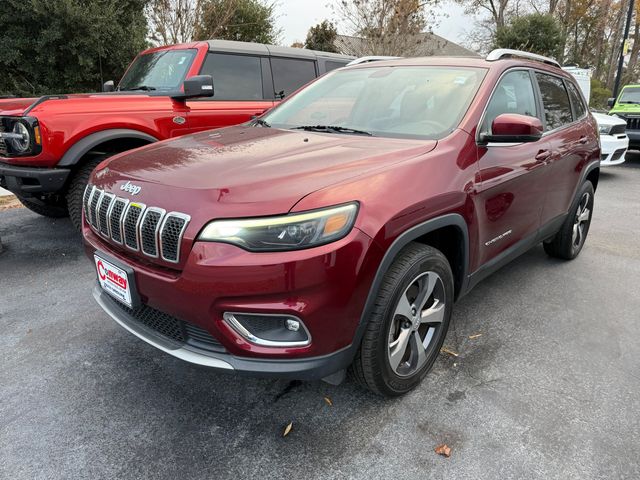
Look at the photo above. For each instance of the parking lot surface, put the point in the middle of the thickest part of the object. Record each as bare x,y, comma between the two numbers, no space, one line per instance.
550,388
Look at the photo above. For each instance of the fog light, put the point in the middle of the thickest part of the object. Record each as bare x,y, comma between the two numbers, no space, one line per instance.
293,325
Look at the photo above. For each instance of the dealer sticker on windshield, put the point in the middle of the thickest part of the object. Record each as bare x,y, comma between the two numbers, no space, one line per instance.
113,280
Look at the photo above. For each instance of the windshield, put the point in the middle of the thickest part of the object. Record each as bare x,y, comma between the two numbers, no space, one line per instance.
161,70
405,102
630,95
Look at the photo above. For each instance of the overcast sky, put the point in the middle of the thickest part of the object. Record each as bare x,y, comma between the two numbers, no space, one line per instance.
296,16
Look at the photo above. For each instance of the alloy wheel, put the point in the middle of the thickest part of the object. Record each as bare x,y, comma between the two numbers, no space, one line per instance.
581,222
416,324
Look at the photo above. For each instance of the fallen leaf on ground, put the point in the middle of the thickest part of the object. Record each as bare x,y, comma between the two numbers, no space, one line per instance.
29,331
450,352
329,402
287,429
443,450
471,337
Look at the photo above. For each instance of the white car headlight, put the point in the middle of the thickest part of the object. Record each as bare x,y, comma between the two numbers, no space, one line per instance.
287,232
604,129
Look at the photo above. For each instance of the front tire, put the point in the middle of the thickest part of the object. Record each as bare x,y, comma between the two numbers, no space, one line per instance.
408,324
76,190
568,242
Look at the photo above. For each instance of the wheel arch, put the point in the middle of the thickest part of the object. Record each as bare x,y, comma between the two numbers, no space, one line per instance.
437,232
131,138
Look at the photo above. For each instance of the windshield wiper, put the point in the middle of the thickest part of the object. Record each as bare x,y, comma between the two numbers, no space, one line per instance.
262,123
145,88
332,128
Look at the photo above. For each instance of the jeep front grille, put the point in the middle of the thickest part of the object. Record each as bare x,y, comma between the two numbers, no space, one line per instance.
633,123
149,230
617,129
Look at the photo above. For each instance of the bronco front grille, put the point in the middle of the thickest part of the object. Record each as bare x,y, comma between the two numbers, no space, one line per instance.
149,230
172,328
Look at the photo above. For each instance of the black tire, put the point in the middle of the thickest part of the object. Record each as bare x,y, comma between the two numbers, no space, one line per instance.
372,367
76,190
48,207
564,244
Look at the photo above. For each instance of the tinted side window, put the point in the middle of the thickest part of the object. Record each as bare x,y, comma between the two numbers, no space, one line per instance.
557,109
576,100
330,65
513,94
290,74
235,77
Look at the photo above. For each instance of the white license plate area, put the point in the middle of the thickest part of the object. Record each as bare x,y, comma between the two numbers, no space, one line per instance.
113,280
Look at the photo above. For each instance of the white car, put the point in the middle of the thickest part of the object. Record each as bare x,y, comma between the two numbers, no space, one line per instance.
613,139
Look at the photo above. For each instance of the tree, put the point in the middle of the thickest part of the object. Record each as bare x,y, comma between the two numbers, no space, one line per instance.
67,45
172,21
388,27
322,37
537,33
242,20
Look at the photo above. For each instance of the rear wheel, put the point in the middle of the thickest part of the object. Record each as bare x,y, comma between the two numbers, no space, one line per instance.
568,242
53,207
408,324
76,190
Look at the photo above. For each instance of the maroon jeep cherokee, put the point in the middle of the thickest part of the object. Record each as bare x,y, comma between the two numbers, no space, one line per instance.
338,229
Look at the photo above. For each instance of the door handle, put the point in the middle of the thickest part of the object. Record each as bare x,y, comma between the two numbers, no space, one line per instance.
583,140
543,155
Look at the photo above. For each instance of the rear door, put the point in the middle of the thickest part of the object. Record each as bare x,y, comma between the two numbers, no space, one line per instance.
567,136
242,86
512,187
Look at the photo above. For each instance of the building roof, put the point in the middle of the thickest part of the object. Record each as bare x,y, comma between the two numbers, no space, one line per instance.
425,45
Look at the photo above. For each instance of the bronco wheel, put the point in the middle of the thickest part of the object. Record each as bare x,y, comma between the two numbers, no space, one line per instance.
53,207
76,190
409,322
568,242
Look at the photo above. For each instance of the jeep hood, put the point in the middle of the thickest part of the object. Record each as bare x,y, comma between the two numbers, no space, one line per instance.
241,171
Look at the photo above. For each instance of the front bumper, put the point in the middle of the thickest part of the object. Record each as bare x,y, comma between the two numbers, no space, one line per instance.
613,149
28,181
326,287
301,369
634,139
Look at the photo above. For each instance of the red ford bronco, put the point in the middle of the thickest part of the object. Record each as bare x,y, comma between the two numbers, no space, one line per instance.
50,145
339,228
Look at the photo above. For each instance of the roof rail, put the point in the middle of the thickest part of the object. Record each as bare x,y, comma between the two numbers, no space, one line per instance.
370,58
500,53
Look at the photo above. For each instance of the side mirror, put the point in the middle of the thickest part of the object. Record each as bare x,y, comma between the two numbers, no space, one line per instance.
611,102
514,128
108,86
194,87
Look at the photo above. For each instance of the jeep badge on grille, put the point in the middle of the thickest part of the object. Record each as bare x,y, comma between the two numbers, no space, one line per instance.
131,188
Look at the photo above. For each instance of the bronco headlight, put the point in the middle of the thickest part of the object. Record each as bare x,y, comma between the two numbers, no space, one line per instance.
287,232
19,136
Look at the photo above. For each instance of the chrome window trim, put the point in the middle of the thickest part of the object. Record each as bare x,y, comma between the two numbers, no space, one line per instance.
112,196
182,216
162,213
142,207
230,319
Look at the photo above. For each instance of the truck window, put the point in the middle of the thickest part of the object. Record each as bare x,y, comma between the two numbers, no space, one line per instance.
514,94
163,70
331,65
235,77
290,74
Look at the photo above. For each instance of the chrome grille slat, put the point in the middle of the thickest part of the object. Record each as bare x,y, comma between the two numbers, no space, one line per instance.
96,196
115,219
149,230
171,233
103,214
130,225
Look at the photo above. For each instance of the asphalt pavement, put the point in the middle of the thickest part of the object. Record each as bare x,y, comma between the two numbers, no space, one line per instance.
549,389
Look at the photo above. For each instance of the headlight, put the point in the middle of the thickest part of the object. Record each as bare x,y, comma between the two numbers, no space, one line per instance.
604,129
286,232
20,136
